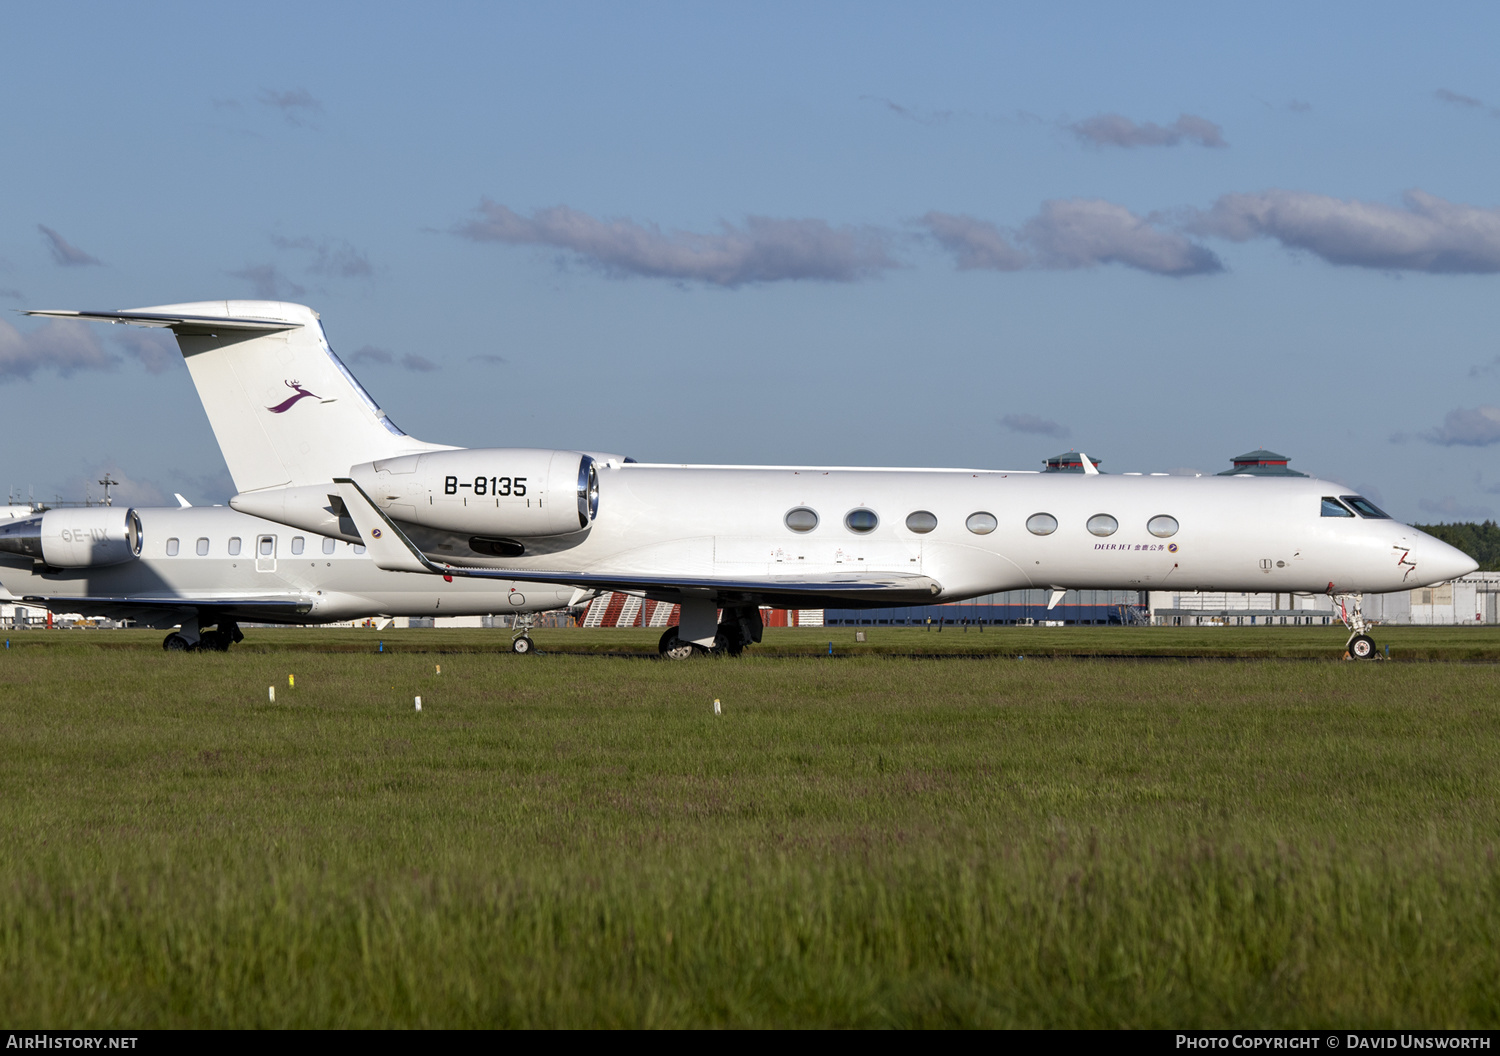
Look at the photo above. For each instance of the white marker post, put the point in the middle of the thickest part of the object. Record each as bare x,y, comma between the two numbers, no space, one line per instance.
273,694
716,707
419,703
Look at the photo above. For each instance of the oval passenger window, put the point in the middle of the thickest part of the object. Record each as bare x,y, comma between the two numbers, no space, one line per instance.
234,546
327,546
801,519
920,522
1103,524
297,544
171,547
202,547
265,546
861,520
1162,526
1041,524
981,523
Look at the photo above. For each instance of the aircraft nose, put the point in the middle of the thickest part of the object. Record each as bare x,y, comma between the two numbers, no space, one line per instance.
1438,562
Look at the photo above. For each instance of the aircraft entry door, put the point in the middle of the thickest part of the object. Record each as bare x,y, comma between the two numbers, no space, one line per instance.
265,553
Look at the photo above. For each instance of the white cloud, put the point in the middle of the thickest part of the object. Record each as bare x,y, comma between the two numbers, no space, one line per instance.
1072,233
1083,232
296,104
330,256
1117,130
60,345
763,249
1426,234
975,243
268,282
1467,427
64,253
1033,424
155,349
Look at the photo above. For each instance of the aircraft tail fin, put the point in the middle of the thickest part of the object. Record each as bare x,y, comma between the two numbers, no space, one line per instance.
285,409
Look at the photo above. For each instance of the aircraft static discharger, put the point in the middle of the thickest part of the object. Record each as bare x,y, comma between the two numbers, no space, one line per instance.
296,427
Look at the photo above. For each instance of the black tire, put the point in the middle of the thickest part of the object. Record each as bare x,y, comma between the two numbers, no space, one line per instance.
522,646
1362,647
671,647
727,641
176,643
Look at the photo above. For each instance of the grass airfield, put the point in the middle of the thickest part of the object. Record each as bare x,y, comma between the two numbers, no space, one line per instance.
884,839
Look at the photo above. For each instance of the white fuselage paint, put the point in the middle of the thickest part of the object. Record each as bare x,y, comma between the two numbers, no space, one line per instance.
342,585
1236,533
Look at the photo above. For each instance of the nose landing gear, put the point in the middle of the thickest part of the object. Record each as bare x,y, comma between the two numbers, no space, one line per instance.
520,642
1350,609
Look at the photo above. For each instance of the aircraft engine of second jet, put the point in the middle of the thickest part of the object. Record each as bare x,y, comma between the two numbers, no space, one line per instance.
520,493
76,538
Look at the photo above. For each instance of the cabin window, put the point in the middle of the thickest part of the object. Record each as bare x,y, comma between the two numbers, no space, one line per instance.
921,522
1162,526
1332,507
359,548
1103,524
234,546
801,519
171,547
267,546
981,523
298,542
328,546
861,520
1041,524
1365,507
202,547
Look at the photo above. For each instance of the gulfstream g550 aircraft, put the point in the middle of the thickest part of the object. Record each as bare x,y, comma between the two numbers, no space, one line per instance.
309,448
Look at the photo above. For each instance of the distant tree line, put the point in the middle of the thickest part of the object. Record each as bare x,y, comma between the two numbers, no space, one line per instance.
1479,541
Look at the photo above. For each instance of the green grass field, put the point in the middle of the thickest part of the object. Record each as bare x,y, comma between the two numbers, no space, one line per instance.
576,840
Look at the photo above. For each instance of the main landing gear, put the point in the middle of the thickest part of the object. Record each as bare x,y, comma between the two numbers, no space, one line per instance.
190,640
520,642
738,628
1351,613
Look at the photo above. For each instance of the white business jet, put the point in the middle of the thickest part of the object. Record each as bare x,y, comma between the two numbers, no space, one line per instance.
308,448
201,567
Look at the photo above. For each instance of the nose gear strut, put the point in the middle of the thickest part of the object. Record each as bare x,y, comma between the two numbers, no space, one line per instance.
1350,610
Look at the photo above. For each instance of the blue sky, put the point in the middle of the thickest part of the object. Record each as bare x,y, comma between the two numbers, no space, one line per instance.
839,234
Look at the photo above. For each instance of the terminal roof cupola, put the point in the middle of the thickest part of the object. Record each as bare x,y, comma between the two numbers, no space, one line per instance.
1068,462
1261,463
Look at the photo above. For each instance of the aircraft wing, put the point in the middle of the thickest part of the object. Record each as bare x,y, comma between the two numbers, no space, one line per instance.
181,324
129,606
393,551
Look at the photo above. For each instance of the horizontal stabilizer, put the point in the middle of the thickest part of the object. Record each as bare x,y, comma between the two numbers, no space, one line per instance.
194,325
394,552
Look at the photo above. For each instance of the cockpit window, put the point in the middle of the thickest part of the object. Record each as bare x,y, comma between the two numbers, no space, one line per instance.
1365,507
1332,507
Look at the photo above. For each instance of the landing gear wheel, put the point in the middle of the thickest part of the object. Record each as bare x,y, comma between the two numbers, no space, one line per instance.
1362,647
674,648
727,640
522,646
176,643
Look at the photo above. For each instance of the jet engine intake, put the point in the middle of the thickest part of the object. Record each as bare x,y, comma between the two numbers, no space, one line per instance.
494,494
93,537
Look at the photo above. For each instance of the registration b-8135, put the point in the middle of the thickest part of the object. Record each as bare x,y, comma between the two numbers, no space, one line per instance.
502,486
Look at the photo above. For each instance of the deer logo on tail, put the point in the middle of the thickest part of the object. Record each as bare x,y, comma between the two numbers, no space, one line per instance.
286,404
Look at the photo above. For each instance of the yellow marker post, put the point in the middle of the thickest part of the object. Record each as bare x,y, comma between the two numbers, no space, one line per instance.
291,680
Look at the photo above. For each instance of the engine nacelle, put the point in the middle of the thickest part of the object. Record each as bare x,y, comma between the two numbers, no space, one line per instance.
81,538
500,492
